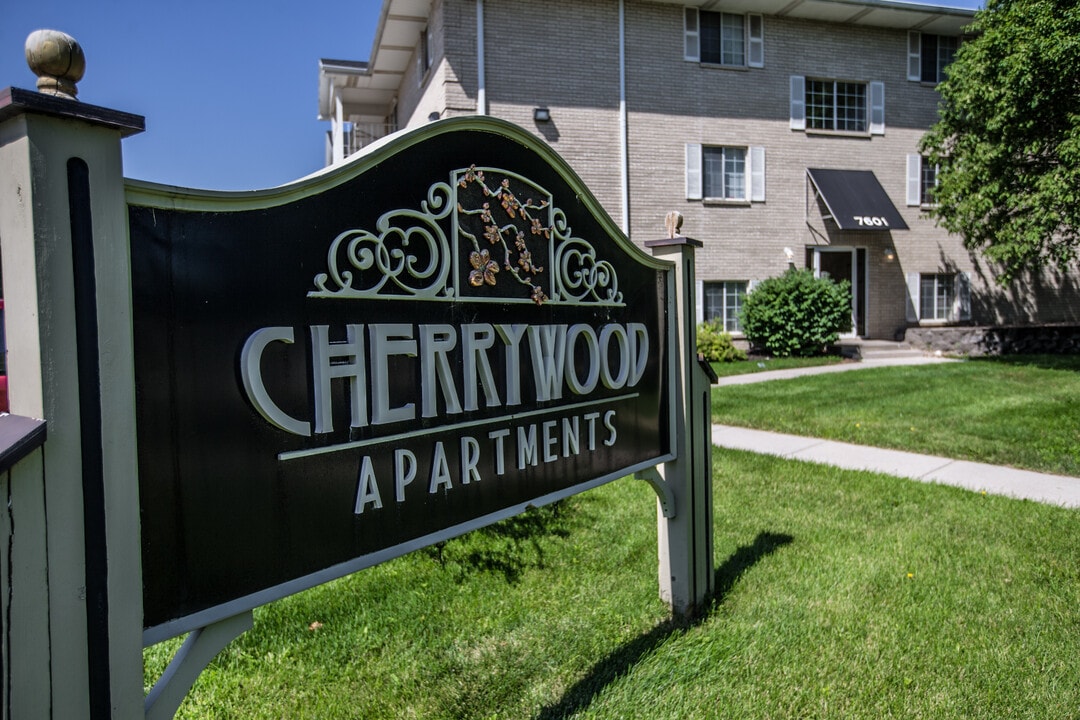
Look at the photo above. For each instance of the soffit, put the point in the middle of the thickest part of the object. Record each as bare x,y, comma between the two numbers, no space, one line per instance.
871,13
368,88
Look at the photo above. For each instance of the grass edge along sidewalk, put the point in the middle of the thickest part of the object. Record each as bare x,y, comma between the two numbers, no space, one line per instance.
1019,412
979,477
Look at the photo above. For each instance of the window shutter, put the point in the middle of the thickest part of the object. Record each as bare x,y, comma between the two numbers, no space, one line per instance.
962,305
756,33
757,174
751,285
699,304
913,297
693,171
691,35
914,55
877,108
914,179
798,102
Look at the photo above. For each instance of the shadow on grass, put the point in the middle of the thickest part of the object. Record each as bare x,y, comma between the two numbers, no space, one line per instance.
1044,361
508,547
619,662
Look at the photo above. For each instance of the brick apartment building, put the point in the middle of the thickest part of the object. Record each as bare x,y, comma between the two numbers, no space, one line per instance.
785,131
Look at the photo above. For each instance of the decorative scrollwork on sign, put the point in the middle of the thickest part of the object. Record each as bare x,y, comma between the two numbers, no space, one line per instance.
505,227
409,257
580,276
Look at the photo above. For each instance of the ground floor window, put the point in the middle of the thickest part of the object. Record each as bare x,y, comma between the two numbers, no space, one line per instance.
936,296
723,301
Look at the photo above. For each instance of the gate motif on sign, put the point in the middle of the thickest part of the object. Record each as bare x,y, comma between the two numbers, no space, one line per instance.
495,240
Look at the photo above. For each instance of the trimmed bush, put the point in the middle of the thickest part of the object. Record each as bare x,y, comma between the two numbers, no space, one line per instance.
796,314
715,345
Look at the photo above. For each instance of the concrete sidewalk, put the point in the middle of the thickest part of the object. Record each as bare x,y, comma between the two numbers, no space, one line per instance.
1052,489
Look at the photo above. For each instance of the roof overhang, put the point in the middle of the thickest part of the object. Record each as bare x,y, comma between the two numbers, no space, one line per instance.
367,89
943,19
855,200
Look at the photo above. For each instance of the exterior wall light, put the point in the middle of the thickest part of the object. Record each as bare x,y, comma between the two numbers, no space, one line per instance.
890,254
433,116
541,114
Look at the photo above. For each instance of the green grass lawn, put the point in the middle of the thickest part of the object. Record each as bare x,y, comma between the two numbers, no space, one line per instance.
1020,411
840,595
756,365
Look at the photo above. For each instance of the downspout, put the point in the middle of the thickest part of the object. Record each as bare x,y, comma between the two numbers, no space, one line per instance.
481,85
623,145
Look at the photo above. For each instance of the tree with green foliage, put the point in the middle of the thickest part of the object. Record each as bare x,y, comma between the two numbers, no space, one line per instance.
796,313
1007,143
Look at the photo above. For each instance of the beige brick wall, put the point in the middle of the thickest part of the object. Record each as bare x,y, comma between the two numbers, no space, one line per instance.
563,54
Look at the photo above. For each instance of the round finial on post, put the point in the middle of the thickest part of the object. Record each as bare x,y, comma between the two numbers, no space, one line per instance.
58,61
673,222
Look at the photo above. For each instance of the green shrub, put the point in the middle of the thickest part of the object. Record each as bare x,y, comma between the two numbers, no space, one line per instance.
796,314
715,345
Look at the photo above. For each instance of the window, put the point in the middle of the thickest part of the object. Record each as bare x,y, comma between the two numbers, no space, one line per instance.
922,180
424,54
929,56
944,297
837,105
936,296
721,38
834,105
724,174
723,302
730,173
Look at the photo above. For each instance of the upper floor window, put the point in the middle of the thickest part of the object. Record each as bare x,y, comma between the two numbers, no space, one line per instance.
837,105
929,55
832,105
720,38
922,180
731,173
424,54
724,172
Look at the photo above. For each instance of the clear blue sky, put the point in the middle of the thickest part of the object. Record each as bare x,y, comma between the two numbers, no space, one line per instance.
229,89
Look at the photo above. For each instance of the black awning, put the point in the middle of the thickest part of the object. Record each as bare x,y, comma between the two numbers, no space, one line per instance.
856,200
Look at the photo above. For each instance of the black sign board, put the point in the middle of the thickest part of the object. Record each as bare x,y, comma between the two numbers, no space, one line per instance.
430,339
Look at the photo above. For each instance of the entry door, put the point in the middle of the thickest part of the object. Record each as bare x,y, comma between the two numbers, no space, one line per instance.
845,263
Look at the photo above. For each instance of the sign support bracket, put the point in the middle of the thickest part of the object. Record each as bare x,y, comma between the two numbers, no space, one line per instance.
664,495
191,659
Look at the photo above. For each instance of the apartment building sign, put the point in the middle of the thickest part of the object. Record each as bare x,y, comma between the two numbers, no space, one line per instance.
438,335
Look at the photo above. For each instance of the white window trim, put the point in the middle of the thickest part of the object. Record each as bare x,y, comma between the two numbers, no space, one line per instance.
755,42
876,111
798,102
915,164
914,56
691,36
914,180
694,183
754,172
